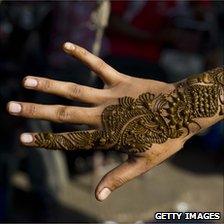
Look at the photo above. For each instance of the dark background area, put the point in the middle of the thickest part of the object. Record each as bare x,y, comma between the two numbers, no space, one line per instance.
163,40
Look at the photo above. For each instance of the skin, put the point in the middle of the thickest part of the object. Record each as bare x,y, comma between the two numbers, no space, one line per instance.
116,86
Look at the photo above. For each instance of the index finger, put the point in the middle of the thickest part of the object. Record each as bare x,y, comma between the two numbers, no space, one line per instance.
108,74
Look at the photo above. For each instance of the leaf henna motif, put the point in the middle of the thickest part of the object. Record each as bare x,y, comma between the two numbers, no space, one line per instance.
134,125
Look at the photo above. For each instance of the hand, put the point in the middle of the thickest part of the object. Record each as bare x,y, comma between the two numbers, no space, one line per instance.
147,119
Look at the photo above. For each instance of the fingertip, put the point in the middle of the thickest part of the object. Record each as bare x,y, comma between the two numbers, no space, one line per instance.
103,194
26,138
30,82
68,47
13,107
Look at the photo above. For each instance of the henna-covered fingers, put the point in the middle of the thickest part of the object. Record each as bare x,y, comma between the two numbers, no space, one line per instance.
135,125
56,113
152,126
108,74
64,141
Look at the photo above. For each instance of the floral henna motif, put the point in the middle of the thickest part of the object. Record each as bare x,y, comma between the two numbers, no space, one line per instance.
134,125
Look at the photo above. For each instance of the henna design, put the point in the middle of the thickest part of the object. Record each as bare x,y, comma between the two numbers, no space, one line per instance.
134,125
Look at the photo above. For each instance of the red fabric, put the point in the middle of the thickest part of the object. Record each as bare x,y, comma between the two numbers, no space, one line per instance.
118,7
152,18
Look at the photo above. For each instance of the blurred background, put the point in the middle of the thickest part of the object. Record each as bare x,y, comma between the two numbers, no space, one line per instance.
163,40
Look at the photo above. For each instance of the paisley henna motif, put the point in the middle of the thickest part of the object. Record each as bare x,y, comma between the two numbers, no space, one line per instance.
134,125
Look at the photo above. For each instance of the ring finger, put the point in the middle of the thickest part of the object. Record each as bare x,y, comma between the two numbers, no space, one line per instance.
56,113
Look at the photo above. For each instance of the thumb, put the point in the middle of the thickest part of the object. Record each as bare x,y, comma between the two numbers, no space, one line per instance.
119,176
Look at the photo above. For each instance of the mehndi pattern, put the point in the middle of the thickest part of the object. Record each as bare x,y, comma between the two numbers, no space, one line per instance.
134,125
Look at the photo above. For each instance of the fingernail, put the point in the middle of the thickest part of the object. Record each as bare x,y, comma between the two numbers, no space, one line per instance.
104,194
29,82
26,138
14,107
69,46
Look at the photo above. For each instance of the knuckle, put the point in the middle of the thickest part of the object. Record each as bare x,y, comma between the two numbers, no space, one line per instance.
80,51
83,51
74,91
96,113
117,181
98,119
92,116
100,65
30,109
62,114
46,84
